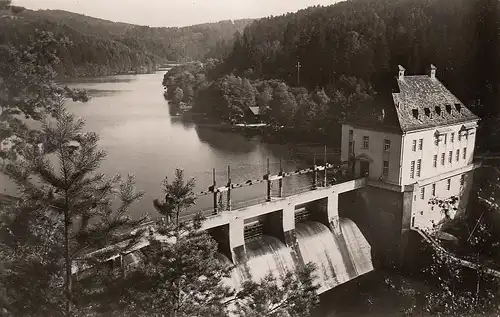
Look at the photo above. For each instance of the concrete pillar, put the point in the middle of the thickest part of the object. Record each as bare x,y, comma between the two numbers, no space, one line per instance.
237,240
406,215
291,236
289,224
333,212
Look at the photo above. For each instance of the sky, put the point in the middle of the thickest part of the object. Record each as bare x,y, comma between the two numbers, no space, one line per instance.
173,12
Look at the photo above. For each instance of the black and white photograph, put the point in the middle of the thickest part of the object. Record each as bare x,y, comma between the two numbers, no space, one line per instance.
253,158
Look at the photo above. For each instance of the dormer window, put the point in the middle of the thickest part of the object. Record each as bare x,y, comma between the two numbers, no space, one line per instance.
415,113
458,107
448,108
427,112
438,110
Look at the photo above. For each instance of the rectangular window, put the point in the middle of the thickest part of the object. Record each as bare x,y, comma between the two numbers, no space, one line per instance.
462,180
412,169
445,137
464,154
414,146
366,142
459,136
419,167
420,144
435,160
422,193
387,145
448,184
433,189
385,170
351,132
436,141
457,157
452,137
442,159
450,158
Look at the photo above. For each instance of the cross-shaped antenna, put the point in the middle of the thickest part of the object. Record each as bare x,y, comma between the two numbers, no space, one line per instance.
298,73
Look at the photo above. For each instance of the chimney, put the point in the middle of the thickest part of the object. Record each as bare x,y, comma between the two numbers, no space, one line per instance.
381,117
433,72
401,72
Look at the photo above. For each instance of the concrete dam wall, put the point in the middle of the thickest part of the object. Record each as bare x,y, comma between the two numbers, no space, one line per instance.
284,234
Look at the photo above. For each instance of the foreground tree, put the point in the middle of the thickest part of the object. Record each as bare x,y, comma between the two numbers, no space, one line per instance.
64,212
293,296
461,275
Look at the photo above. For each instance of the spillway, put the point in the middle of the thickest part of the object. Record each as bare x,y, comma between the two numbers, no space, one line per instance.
265,254
318,245
357,245
339,258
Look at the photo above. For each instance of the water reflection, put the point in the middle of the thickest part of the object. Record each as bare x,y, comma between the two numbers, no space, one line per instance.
178,120
102,92
141,136
225,141
104,79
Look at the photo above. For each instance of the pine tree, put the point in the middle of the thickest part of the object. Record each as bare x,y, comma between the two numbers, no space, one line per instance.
66,209
181,274
295,295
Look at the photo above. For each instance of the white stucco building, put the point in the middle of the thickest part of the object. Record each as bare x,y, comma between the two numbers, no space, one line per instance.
424,140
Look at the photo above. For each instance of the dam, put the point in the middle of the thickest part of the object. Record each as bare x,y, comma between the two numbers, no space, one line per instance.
283,234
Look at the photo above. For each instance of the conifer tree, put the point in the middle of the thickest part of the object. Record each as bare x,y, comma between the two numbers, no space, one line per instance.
65,211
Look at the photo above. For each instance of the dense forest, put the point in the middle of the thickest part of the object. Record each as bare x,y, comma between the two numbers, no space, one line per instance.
350,51
100,47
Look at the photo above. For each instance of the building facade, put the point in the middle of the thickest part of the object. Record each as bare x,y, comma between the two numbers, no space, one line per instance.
424,142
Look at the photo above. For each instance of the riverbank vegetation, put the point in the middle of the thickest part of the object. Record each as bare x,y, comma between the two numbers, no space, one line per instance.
200,88
98,47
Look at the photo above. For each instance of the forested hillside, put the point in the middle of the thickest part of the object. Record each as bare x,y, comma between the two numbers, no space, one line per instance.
367,39
349,54
100,47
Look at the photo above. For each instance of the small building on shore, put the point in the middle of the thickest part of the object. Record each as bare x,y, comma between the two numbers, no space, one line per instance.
253,115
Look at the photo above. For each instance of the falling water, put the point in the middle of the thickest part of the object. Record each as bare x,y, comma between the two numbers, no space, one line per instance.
266,254
359,248
339,258
318,245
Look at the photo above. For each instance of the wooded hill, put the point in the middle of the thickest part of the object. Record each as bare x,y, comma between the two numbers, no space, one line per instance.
101,47
349,53
367,39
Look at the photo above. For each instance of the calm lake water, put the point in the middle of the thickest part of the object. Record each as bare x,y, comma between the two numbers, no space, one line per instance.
132,119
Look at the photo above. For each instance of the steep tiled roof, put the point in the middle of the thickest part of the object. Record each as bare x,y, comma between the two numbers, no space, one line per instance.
379,115
424,102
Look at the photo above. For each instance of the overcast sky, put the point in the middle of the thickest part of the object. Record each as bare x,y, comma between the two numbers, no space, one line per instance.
173,12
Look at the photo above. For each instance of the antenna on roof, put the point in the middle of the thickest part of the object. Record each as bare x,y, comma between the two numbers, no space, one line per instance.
433,72
401,72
